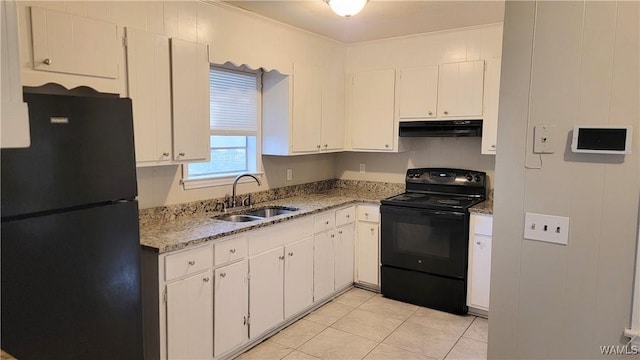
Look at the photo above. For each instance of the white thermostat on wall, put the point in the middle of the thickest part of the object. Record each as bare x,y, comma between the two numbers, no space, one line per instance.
602,139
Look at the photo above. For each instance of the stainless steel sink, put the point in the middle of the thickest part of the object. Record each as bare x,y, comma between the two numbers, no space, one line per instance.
271,211
239,218
257,214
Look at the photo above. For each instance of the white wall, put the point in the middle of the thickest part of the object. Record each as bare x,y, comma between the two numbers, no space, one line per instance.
565,63
482,42
232,35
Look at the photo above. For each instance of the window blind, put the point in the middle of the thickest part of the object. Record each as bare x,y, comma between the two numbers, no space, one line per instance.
233,98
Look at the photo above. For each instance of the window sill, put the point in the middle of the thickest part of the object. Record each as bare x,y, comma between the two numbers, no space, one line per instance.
189,184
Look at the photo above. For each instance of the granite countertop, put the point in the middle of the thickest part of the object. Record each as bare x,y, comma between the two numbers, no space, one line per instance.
198,229
485,207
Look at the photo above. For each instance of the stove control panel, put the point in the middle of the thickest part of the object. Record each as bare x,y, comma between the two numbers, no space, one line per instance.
444,176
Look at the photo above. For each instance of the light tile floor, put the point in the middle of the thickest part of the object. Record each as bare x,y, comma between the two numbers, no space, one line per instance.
361,324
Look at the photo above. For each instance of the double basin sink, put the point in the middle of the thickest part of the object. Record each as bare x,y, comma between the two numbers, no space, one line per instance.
257,214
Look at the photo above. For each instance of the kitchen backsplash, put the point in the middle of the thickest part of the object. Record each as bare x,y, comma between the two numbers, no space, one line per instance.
168,213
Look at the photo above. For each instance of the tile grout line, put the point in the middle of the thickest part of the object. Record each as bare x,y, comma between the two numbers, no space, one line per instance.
460,337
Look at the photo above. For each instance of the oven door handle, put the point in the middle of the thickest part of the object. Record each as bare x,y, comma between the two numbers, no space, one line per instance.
404,210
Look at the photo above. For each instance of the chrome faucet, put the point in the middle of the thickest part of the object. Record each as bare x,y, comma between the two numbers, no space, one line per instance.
235,182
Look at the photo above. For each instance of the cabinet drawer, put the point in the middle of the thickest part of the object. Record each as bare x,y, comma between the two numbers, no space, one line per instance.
188,262
230,250
345,216
369,213
483,224
324,222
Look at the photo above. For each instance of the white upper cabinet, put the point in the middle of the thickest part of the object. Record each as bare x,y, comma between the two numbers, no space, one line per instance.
372,112
74,44
303,113
307,108
190,99
149,87
15,113
460,88
491,102
418,92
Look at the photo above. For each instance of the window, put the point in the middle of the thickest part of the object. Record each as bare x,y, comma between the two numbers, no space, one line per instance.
234,128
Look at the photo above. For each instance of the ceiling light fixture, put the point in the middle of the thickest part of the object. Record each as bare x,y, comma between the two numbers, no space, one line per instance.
346,8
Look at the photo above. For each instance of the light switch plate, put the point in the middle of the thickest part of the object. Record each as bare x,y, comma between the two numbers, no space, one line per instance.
548,228
544,139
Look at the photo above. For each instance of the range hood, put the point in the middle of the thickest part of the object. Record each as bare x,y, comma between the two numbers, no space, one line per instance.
440,128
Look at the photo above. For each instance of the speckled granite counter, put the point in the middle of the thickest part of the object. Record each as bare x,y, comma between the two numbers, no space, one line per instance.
485,207
164,237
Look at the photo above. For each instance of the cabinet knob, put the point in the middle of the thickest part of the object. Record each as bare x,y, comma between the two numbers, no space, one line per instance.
446,113
291,253
165,154
430,112
281,257
372,229
366,214
478,243
206,279
493,146
340,232
386,145
233,251
333,235
326,145
348,216
47,61
326,222
318,146
181,154
223,274
192,262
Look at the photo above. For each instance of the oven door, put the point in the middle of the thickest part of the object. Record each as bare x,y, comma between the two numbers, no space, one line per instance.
431,241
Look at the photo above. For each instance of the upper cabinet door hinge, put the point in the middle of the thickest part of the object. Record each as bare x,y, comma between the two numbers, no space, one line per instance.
125,42
164,296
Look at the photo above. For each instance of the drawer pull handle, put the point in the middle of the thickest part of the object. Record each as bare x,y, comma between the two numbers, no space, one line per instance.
192,262
281,257
206,279
291,253
233,251
223,274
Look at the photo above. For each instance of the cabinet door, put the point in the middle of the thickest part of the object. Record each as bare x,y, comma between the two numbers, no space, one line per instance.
418,92
491,104
298,276
368,253
266,291
460,87
323,265
149,86
230,307
372,110
73,44
190,99
307,97
333,108
480,272
190,317
344,255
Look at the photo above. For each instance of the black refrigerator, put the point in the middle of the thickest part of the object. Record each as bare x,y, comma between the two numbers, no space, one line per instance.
69,245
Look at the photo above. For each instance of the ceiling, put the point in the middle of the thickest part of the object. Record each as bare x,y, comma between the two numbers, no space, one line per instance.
379,19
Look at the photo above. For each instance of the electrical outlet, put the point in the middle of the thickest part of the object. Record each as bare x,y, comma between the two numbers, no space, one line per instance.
548,228
289,174
362,170
544,139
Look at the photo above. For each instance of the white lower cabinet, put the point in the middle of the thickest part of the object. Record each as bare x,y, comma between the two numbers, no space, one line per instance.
479,276
344,254
266,291
298,276
367,246
323,265
190,317
231,296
